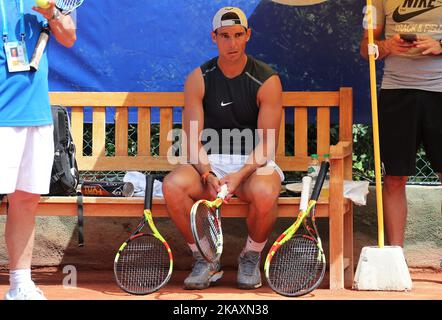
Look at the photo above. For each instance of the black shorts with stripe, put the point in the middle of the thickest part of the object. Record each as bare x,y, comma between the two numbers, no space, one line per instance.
409,118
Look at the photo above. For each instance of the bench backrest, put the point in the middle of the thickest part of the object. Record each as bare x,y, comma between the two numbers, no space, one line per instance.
143,160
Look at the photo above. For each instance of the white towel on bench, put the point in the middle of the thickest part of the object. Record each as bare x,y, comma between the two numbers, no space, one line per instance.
138,179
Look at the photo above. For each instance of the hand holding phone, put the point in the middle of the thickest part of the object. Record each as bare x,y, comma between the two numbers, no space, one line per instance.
408,37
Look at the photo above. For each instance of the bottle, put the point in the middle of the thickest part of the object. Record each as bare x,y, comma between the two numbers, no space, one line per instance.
313,168
326,185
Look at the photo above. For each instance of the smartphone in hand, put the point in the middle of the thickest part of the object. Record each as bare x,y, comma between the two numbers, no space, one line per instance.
408,37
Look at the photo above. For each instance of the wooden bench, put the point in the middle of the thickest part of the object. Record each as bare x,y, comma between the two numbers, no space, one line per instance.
335,207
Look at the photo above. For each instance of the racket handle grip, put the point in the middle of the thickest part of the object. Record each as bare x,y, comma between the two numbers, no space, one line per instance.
305,192
320,180
149,191
39,49
224,191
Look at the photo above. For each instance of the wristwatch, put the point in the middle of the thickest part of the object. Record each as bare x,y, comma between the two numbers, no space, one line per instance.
55,15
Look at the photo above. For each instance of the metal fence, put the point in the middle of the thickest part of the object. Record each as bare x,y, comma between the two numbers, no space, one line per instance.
424,172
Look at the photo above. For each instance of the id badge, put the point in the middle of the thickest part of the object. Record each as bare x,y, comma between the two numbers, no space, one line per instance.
16,56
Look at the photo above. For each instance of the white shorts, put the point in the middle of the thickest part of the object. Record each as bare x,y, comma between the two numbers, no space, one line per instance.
27,155
223,164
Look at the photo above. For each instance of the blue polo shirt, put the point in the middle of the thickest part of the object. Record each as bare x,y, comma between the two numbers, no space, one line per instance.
24,99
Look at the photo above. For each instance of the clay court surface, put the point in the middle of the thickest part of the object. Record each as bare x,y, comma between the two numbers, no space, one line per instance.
100,285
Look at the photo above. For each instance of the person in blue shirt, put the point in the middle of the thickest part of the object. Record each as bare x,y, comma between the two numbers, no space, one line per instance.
26,131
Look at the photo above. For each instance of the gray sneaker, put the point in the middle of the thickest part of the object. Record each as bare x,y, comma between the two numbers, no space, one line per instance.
249,276
203,273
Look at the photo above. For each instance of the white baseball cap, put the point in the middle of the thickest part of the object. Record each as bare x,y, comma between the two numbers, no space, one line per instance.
229,16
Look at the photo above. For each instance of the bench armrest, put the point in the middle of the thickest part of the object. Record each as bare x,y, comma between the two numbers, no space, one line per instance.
341,163
341,150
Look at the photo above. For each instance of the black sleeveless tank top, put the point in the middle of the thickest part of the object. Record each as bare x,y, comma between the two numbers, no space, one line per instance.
230,107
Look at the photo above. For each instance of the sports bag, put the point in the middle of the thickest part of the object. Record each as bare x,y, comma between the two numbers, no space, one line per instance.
64,176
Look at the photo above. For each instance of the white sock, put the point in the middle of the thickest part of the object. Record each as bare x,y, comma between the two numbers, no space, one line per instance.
192,247
253,246
20,278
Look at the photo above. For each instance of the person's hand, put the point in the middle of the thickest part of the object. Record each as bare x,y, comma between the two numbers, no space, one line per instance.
214,185
395,45
48,12
429,45
233,181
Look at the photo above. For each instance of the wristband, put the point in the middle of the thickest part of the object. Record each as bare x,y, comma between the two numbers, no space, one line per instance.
55,15
205,175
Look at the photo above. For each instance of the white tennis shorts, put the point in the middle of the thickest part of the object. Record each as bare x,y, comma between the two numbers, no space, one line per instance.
27,155
223,164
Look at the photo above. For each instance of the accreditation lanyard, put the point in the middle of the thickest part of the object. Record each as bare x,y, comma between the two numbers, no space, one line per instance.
20,5
15,51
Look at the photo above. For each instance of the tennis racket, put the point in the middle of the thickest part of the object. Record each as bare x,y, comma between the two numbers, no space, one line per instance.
144,263
205,222
66,7
295,264
39,49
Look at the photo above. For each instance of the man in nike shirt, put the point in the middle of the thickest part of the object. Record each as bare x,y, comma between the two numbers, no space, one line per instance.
410,100
235,101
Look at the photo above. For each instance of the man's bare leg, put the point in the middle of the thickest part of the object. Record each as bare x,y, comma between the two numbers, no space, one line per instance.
19,236
181,188
395,209
261,192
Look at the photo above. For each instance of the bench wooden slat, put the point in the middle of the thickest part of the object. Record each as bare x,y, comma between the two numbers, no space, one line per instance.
118,163
121,131
117,99
346,126
310,99
293,164
183,127
323,131
301,132
144,145
133,207
346,114
77,127
281,138
147,163
166,124
167,99
98,131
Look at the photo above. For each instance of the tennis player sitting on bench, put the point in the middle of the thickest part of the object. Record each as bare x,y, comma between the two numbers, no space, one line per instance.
230,96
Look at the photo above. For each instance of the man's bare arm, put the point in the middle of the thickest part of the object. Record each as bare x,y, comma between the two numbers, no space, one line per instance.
62,26
193,121
269,122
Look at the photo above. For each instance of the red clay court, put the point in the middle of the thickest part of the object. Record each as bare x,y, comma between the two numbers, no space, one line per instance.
100,285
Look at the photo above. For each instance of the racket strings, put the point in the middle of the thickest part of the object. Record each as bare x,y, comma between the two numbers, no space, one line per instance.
143,266
68,5
296,267
209,231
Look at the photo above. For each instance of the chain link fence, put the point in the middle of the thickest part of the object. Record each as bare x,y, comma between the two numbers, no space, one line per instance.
112,176
424,172
363,159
